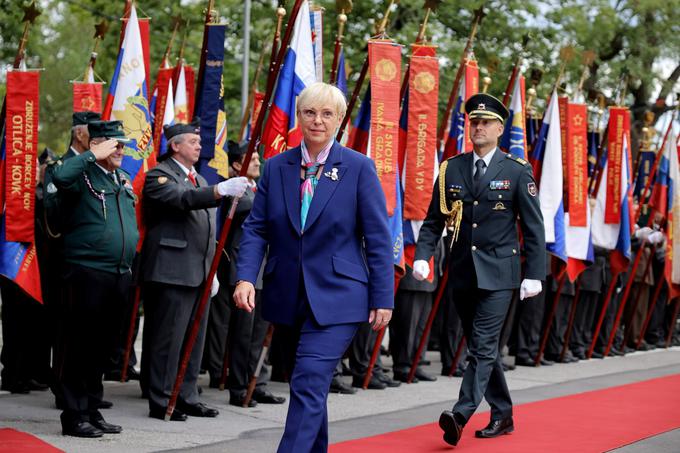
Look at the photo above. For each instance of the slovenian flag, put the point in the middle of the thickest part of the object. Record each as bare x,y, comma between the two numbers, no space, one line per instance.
358,137
298,72
514,139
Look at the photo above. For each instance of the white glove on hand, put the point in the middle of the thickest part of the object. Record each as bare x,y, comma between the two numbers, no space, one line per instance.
215,287
421,269
643,233
529,288
655,237
233,187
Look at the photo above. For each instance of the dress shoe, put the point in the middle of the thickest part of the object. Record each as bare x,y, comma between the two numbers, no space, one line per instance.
402,376
264,396
103,426
384,378
197,410
337,386
237,399
614,352
103,404
159,413
373,384
546,362
580,355
507,367
82,429
496,428
597,355
37,385
524,361
452,429
423,376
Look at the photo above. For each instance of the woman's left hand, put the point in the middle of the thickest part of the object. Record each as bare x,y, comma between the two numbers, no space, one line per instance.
379,318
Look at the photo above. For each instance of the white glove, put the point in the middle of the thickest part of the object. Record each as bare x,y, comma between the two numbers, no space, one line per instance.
529,288
421,269
643,233
215,287
233,187
655,238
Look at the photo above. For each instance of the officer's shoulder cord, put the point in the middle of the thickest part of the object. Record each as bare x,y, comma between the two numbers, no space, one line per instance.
98,195
453,215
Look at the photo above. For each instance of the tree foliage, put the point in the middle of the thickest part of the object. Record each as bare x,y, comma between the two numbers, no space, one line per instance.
640,38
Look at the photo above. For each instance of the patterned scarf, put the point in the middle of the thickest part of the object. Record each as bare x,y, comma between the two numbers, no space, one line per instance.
309,184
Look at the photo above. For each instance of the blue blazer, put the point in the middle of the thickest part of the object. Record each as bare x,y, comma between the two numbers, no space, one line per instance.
344,255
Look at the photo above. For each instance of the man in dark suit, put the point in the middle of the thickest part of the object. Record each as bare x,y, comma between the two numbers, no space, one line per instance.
481,195
179,210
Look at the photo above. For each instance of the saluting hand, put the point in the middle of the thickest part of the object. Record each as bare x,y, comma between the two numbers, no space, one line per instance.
244,296
102,150
379,318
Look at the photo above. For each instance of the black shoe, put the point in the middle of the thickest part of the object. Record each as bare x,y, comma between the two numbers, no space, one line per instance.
82,429
103,426
373,384
159,413
263,396
507,367
337,386
197,410
546,362
423,376
237,399
402,376
496,428
580,355
597,355
524,361
103,404
36,385
384,378
614,352
132,374
452,429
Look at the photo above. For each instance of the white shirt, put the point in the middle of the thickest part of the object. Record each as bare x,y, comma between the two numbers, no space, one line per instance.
74,151
107,173
486,159
184,169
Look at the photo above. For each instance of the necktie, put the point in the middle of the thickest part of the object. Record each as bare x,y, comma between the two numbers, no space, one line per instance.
114,178
479,173
307,190
192,178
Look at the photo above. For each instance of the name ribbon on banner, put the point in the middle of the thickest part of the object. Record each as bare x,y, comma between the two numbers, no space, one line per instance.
87,97
422,136
577,164
23,92
384,59
619,126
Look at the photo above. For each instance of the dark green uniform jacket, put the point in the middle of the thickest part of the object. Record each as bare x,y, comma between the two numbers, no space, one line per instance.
487,252
100,225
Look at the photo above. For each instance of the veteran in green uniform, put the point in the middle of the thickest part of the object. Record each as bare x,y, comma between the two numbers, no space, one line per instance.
100,237
480,196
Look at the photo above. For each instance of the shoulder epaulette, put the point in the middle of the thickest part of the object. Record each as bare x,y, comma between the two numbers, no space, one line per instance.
514,158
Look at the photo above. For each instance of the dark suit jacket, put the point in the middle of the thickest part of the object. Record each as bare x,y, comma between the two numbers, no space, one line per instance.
344,255
180,227
487,250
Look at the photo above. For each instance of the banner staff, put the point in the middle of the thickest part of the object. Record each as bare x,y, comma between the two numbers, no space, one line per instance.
251,98
226,226
344,6
515,70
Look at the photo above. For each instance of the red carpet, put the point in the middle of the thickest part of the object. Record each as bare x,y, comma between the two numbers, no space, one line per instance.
13,441
586,422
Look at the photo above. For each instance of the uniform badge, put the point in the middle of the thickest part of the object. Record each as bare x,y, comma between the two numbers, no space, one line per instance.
51,188
333,174
162,179
531,187
455,188
500,185
499,206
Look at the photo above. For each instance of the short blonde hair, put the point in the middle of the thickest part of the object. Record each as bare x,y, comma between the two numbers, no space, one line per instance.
322,94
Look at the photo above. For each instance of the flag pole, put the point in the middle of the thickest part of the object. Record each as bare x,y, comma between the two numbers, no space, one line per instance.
603,311
675,316
636,299
420,39
226,226
258,368
515,70
344,7
570,324
456,356
553,309
251,98
650,310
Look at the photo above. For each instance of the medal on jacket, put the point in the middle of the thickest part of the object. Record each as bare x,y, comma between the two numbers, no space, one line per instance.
99,196
453,215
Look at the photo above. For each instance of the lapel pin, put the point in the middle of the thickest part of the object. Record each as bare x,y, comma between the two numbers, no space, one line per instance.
333,174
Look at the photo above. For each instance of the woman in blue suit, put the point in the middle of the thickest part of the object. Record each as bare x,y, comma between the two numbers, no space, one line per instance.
320,217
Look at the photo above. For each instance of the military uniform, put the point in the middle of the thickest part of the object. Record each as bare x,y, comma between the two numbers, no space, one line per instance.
100,237
484,267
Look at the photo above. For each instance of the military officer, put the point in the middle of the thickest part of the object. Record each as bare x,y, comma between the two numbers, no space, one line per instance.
100,238
480,196
179,209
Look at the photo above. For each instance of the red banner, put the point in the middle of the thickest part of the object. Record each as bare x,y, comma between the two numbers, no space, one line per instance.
190,78
258,98
421,136
471,88
162,84
21,155
385,65
619,126
87,97
577,164
562,103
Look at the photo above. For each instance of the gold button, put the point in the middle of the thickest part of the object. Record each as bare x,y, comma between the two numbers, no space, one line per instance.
474,247
475,202
474,225
451,190
514,251
500,196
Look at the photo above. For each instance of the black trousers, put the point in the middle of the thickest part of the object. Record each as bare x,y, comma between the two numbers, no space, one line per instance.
450,334
93,309
411,309
529,321
170,312
483,314
559,324
584,321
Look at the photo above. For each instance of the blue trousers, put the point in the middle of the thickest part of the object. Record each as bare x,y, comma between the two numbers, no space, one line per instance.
319,349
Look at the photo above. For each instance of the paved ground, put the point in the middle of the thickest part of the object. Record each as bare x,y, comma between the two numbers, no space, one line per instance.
351,416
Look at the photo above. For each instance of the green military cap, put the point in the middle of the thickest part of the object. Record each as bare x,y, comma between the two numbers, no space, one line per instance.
108,129
485,106
84,118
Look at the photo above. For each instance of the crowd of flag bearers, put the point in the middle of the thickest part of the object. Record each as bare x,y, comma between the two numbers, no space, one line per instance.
148,208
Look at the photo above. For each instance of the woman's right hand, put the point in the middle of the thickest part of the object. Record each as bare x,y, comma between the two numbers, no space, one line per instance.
244,296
